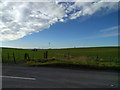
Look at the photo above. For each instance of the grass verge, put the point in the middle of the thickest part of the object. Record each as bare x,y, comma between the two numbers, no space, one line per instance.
110,66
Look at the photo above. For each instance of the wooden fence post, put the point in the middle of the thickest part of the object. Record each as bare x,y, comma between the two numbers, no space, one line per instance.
14,58
26,57
68,55
33,56
2,59
8,56
46,54
97,59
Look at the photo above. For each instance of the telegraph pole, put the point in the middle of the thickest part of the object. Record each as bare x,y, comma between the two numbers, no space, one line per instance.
49,45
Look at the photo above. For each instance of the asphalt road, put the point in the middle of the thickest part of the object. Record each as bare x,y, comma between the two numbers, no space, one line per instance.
14,76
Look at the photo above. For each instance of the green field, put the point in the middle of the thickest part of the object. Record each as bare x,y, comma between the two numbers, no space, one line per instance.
97,56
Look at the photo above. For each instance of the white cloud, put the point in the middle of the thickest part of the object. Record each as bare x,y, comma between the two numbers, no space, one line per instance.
110,29
110,32
91,8
19,19
104,33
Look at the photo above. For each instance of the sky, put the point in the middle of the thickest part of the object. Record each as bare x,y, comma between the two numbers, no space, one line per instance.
59,25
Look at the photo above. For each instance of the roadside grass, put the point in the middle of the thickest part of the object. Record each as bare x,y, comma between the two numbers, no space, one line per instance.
74,62
94,56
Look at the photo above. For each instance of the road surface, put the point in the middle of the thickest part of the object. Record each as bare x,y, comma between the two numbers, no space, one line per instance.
14,76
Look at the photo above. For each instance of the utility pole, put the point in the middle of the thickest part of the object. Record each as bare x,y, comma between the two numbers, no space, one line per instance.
49,45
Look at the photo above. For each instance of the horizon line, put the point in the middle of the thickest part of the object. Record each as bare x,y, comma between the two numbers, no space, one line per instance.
59,47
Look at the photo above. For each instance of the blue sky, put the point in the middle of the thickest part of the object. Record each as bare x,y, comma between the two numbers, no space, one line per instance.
86,31
72,33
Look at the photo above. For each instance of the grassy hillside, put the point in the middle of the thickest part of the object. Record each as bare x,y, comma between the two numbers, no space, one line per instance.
105,56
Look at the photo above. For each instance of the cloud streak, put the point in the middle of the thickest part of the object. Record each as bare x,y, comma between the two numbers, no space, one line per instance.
110,29
110,32
19,19
106,33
